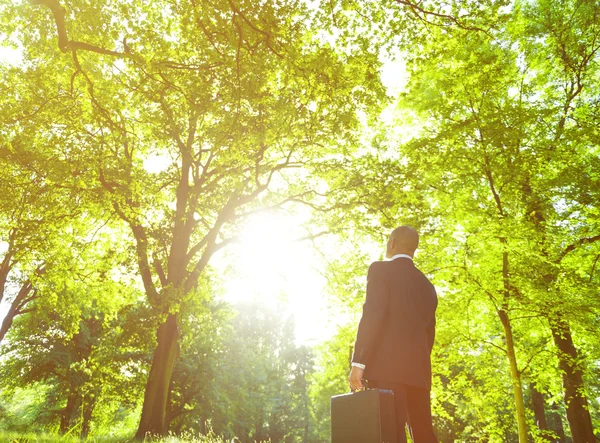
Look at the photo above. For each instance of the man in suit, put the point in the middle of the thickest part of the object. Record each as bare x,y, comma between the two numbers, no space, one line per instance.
395,336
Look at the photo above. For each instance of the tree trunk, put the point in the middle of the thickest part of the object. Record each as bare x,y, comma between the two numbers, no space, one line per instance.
16,307
5,268
88,409
539,411
306,435
515,376
153,420
171,412
576,403
70,411
7,322
556,424
259,428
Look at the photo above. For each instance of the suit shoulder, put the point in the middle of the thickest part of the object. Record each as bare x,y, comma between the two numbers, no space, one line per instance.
377,268
426,279
377,265
423,275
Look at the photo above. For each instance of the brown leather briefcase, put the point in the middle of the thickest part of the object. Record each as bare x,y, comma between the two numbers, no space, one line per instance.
363,417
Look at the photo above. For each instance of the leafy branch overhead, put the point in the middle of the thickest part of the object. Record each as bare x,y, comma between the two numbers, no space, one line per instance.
235,99
64,44
426,14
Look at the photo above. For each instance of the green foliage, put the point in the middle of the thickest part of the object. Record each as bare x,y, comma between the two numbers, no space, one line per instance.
499,177
79,381
135,145
47,438
261,387
331,377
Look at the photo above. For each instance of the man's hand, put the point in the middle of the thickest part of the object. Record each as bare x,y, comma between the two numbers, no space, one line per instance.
355,378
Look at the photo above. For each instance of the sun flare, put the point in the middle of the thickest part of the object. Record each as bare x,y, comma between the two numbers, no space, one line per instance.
272,265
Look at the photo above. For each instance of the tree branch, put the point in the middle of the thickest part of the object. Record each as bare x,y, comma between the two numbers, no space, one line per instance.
6,265
266,34
210,239
58,11
160,272
573,246
312,237
141,241
415,8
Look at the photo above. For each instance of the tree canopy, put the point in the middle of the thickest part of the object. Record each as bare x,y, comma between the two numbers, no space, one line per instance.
139,138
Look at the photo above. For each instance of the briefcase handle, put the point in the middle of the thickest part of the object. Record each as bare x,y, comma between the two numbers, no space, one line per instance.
365,384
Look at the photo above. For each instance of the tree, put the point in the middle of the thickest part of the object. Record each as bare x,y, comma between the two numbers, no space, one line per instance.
498,173
39,214
259,392
232,96
83,371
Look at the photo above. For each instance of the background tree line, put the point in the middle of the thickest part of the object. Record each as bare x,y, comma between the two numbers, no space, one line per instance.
491,151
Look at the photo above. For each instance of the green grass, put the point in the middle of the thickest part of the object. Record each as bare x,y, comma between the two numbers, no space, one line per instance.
12,437
17,437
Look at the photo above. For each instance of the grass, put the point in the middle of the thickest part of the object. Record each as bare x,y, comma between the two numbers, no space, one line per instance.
17,437
11,437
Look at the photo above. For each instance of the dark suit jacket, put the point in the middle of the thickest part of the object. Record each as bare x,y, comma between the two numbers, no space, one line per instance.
396,332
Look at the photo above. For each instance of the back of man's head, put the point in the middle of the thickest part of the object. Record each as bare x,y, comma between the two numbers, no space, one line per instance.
403,240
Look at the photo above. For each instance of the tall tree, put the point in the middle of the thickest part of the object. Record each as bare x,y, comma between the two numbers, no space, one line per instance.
232,97
503,122
569,62
79,372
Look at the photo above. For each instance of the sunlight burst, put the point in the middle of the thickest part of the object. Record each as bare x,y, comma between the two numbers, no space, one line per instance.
271,264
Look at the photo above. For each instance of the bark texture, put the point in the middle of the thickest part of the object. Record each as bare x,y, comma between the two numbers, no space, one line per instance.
17,307
515,377
153,420
576,403
555,422
69,414
538,404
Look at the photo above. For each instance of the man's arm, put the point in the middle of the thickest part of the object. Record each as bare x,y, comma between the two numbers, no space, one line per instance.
431,326
374,312
431,334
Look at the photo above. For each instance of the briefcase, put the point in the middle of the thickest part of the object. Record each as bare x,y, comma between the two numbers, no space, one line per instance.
363,417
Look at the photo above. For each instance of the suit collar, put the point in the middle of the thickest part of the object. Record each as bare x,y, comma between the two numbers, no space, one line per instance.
401,256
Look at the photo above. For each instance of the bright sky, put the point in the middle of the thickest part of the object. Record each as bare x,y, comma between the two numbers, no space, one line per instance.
271,266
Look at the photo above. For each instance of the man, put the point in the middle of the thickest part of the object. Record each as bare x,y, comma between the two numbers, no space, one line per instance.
395,336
